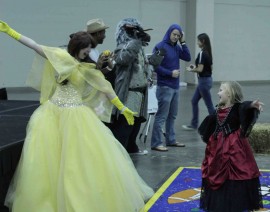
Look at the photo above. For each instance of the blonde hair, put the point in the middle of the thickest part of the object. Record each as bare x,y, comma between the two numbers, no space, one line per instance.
234,90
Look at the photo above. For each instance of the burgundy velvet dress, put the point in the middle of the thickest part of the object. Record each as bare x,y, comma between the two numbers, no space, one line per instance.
230,175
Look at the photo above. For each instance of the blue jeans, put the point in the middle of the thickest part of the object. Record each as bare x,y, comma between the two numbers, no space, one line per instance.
202,91
167,111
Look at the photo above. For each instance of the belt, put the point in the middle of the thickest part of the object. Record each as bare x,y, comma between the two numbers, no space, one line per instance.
141,90
203,76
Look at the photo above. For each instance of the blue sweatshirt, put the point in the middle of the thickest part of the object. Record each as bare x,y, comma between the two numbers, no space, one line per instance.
171,61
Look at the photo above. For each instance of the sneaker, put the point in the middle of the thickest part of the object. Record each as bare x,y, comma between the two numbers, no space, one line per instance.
188,127
140,152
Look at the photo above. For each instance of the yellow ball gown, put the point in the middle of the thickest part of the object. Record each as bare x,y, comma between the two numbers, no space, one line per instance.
71,161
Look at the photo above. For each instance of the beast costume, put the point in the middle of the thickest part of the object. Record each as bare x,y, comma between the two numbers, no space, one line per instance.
229,169
132,70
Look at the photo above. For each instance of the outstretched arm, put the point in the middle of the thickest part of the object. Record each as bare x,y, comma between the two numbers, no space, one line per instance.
32,45
4,27
129,115
257,104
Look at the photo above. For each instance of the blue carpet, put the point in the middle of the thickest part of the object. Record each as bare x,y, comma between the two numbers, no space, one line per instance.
181,192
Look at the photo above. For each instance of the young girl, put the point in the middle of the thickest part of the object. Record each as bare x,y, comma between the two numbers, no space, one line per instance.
230,176
203,68
70,159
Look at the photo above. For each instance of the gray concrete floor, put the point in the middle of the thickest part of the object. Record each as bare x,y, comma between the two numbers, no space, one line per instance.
155,167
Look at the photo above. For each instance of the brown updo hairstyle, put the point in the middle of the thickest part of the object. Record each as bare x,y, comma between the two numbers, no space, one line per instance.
78,41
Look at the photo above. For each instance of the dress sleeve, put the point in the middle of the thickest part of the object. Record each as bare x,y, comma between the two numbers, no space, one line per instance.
61,61
207,127
45,73
248,117
42,78
96,91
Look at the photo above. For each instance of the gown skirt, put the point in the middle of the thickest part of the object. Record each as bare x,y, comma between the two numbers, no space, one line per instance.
72,162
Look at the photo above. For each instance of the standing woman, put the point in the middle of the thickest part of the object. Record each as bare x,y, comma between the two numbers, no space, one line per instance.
203,68
70,160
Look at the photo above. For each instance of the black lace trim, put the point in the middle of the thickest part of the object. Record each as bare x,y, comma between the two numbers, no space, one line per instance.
233,196
223,126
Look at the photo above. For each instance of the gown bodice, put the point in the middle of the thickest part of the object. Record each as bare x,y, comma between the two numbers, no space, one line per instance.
66,96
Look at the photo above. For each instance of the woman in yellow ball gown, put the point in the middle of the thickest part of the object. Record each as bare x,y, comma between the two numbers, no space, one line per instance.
70,159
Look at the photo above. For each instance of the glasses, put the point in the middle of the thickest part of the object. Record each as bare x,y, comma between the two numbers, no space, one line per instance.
176,35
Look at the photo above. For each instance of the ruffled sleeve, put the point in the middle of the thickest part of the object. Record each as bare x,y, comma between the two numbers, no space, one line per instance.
45,73
248,117
96,91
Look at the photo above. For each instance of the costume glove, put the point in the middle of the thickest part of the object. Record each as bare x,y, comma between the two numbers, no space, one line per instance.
129,115
4,27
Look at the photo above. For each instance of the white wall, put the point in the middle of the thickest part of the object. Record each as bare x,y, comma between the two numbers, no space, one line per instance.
240,31
50,22
241,40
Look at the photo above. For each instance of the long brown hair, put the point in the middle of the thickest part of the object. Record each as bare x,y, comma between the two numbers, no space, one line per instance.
205,40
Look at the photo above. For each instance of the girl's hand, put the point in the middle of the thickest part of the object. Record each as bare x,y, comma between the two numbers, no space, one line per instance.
258,105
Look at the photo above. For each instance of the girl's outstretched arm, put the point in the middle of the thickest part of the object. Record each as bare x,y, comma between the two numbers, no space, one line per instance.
4,27
257,104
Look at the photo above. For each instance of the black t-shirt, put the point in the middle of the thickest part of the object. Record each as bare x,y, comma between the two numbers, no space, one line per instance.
204,59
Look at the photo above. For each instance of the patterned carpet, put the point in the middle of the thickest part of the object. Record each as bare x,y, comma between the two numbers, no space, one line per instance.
181,192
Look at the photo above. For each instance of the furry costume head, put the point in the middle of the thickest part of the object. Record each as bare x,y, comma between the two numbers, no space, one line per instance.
131,28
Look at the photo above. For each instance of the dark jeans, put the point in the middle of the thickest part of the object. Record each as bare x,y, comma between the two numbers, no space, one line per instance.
109,125
202,91
127,134
167,111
